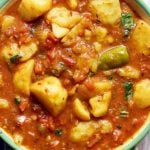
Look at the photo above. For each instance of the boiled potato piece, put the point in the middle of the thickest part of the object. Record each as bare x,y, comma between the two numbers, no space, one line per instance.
69,39
103,85
18,138
41,33
25,51
4,104
140,38
105,126
32,9
73,4
93,65
108,11
9,51
87,34
80,110
59,31
22,77
141,94
28,50
51,94
63,17
100,104
100,33
82,131
7,22
129,72
114,57
97,46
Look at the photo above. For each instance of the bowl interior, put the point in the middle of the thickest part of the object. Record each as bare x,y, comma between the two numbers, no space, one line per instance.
144,8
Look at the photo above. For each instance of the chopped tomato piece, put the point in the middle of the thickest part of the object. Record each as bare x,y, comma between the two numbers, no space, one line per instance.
52,37
94,139
51,124
48,121
89,84
69,61
23,105
51,54
38,68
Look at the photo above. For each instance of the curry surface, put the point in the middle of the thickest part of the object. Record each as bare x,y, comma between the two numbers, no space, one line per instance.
39,129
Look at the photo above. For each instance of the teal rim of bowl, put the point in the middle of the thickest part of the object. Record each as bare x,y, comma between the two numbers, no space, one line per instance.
3,3
145,5
140,136
8,140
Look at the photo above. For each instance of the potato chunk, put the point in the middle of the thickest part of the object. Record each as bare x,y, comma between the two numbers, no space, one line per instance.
82,131
73,4
105,126
18,138
10,51
51,94
140,38
141,94
99,33
108,11
4,104
100,104
7,22
70,37
81,110
59,31
32,9
102,86
22,77
25,52
129,72
63,17
28,50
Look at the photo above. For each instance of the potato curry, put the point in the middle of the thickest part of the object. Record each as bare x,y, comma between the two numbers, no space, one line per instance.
74,75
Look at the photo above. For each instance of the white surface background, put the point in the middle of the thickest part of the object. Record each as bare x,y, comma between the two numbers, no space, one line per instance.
144,144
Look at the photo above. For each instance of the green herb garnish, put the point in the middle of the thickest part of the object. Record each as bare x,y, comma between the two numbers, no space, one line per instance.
58,132
124,114
127,23
128,89
17,100
15,59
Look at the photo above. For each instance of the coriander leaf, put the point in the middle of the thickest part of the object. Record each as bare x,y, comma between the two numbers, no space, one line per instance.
14,59
127,23
128,89
17,100
124,114
58,132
